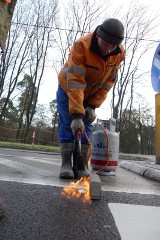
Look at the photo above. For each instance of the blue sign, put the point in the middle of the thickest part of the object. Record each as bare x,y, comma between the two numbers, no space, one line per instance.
155,70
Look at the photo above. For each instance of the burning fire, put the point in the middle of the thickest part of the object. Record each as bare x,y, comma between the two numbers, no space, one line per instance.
79,189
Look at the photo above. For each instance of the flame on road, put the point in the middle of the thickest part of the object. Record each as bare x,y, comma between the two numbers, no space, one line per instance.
79,189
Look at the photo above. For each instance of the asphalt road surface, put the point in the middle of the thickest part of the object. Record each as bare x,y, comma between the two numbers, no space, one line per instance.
129,207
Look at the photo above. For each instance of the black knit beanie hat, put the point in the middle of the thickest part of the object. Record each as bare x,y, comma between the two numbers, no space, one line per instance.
111,31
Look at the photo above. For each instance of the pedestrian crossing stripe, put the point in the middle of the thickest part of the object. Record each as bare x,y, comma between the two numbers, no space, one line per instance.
136,222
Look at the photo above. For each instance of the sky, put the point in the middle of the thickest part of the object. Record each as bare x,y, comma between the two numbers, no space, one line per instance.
50,83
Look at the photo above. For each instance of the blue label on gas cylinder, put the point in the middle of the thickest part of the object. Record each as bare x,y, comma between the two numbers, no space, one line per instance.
99,145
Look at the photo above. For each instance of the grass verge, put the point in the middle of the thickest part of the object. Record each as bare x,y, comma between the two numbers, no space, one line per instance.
25,146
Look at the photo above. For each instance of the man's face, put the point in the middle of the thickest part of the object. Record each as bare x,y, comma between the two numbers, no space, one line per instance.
105,48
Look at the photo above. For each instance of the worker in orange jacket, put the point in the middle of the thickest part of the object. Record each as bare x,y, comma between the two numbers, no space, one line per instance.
84,82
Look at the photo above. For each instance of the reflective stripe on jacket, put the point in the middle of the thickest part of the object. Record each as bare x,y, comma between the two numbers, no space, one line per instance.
86,76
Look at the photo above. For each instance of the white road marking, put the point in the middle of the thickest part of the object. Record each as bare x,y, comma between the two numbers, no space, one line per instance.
45,160
29,174
136,222
42,160
131,190
22,167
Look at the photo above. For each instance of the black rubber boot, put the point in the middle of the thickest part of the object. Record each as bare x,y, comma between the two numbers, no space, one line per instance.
81,165
66,171
2,208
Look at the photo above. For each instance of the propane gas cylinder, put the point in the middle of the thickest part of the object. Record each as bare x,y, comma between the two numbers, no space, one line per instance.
102,139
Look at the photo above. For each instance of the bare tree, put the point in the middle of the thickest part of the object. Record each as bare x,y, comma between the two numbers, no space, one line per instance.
139,26
26,49
79,18
13,60
44,23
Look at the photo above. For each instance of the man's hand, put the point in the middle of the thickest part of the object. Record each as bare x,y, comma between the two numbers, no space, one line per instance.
77,124
90,113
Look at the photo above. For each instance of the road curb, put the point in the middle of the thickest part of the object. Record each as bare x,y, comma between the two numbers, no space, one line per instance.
145,171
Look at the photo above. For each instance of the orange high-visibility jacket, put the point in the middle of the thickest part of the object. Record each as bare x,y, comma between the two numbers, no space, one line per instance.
86,76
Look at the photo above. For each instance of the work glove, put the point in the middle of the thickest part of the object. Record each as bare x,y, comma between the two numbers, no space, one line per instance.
90,114
77,124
